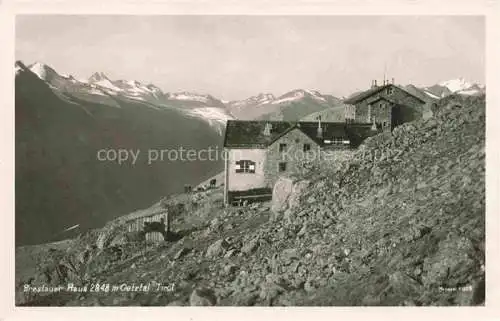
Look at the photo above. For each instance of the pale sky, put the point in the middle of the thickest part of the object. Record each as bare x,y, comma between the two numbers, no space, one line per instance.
235,57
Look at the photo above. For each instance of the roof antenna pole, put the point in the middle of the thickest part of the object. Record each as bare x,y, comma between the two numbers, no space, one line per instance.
385,70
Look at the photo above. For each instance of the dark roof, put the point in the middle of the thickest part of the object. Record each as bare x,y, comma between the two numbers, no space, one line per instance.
365,94
362,95
244,134
144,213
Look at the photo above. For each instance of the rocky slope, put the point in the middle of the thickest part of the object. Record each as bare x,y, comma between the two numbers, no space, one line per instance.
398,222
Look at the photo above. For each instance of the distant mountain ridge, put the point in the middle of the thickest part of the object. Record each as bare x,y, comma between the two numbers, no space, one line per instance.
100,88
292,105
453,86
309,104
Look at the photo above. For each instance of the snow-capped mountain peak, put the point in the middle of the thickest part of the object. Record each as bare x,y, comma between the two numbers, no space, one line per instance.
455,85
260,99
42,70
19,67
98,76
442,89
99,88
101,80
299,94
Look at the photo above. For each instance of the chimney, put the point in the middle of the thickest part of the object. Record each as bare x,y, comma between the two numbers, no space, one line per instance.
319,132
392,80
267,129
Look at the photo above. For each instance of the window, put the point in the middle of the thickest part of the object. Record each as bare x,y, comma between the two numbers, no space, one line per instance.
338,140
307,147
282,167
282,148
245,166
268,129
390,91
382,105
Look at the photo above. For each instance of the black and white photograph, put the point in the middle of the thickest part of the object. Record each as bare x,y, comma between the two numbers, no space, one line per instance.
250,160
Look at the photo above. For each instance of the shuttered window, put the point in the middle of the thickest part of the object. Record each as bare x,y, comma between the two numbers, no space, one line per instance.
245,166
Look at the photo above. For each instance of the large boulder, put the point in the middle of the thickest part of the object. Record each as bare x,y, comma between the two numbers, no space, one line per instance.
281,192
217,249
108,234
250,246
287,194
297,190
202,297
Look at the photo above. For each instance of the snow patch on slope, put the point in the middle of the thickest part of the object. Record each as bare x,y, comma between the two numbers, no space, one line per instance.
39,69
213,113
287,99
215,116
430,94
315,95
188,96
469,92
96,91
107,84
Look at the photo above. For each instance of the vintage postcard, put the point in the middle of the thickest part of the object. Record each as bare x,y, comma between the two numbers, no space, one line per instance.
250,160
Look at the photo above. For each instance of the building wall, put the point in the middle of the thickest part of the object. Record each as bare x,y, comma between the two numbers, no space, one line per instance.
381,112
350,113
408,108
293,157
245,181
267,163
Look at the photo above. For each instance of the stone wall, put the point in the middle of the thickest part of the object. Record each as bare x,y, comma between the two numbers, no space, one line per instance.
294,156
